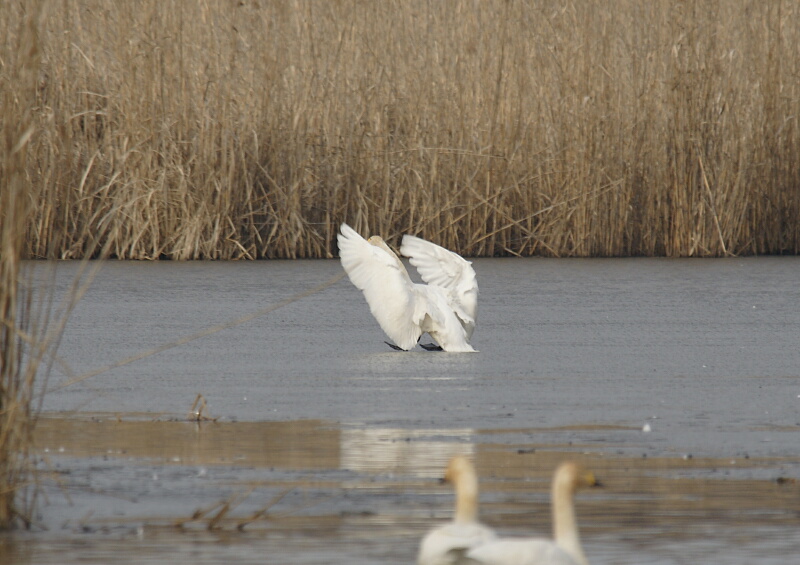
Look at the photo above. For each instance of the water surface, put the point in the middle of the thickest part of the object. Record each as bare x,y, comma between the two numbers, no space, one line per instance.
340,439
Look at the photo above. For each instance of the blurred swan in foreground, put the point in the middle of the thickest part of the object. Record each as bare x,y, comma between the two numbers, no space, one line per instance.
565,549
446,545
445,308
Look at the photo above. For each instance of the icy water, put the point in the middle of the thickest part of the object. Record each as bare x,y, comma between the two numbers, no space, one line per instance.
320,445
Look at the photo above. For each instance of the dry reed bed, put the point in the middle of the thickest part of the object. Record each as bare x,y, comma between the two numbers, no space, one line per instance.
18,351
574,128
31,322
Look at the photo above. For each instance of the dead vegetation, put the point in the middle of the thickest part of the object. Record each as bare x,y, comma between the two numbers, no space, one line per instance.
220,515
251,129
20,349
32,318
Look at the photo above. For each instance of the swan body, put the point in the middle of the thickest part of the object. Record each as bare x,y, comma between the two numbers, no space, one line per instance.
445,308
565,548
521,552
447,544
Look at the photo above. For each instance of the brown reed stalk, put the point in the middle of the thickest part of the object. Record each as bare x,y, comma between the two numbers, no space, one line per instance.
229,130
17,361
30,321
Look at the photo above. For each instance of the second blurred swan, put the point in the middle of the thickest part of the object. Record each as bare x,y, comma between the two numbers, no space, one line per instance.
446,545
565,548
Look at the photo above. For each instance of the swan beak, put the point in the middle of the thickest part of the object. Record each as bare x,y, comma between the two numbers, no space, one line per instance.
591,481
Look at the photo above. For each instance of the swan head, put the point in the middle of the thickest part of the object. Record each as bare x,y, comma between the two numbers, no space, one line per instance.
378,241
459,470
571,477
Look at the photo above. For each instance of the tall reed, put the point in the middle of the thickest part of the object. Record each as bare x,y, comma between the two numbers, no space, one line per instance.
31,322
17,361
246,129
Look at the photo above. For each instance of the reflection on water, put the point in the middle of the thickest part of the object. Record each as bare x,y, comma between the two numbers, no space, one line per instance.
403,452
367,495
304,444
298,445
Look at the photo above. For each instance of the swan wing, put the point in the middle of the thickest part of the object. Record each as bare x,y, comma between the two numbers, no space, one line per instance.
441,267
437,265
383,280
520,552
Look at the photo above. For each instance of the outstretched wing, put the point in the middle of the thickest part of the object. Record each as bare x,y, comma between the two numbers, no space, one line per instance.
441,267
385,284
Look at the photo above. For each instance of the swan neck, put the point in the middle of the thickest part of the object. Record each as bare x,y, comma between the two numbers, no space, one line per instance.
400,265
467,498
378,242
565,525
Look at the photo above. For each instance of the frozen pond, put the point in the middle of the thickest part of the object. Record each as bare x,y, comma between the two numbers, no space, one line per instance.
341,438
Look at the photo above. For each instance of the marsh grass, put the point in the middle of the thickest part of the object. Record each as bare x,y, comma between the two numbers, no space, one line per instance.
31,321
251,129
18,349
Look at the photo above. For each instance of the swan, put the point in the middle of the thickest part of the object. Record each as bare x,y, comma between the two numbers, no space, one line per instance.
446,307
446,545
566,548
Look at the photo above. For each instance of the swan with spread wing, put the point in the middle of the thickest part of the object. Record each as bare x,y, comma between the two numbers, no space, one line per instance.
446,307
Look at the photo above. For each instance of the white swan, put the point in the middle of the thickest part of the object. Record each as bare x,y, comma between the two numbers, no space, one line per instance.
445,308
447,544
565,549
